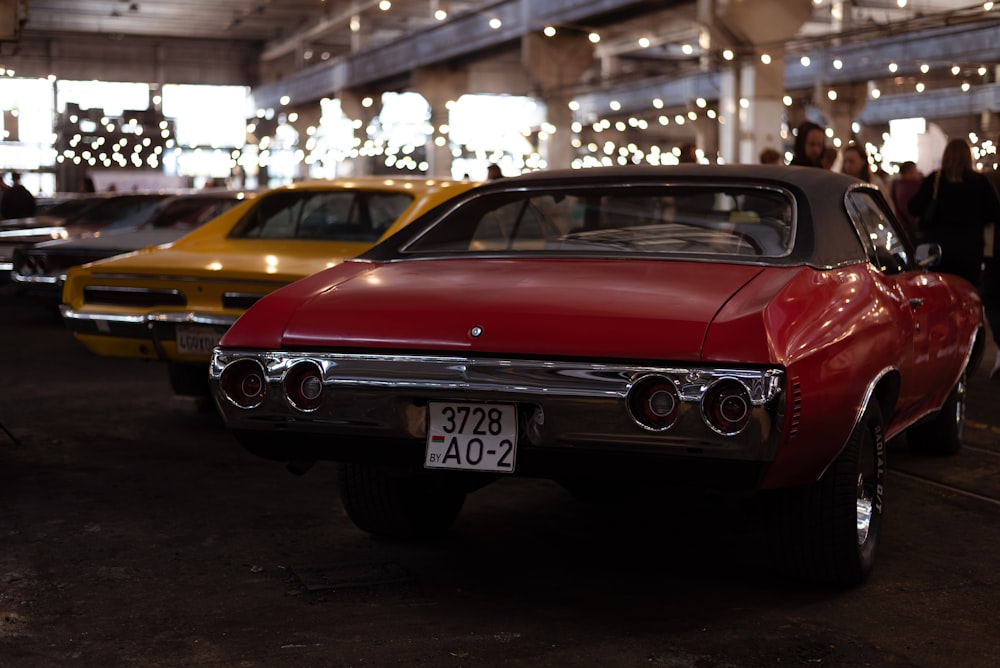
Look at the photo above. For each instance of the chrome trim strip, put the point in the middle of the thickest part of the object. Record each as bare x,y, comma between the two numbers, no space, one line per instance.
72,315
503,375
190,317
52,231
147,320
564,404
48,280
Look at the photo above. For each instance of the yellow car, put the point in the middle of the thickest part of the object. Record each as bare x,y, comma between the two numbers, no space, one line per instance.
174,302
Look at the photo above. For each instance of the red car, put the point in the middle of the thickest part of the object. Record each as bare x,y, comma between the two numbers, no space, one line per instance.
741,327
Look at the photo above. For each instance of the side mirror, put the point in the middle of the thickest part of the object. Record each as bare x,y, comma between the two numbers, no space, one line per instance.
928,255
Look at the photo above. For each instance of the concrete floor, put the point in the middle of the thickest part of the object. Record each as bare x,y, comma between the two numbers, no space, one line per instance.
135,531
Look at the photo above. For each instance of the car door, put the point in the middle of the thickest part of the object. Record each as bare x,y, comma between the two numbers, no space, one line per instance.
920,301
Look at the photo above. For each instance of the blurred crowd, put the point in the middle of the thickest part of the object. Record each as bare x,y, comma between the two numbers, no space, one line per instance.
16,201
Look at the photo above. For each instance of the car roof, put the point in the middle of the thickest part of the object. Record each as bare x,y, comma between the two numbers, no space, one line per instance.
825,236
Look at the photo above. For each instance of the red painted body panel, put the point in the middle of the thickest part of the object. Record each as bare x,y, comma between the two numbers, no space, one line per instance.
836,332
566,308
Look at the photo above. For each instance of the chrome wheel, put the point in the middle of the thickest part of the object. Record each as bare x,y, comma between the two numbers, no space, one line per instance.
960,396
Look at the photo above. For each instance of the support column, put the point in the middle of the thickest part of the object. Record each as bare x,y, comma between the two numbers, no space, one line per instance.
763,85
556,64
841,112
729,113
750,28
707,138
439,86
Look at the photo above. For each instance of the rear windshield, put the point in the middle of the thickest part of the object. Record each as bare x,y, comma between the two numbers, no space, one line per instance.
187,213
342,215
121,212
691,220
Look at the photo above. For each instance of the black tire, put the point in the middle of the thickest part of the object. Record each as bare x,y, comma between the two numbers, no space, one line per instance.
188,380
404,506
943,433
828,532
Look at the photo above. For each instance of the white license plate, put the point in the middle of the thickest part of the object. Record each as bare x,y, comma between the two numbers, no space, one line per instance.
472,437
196,339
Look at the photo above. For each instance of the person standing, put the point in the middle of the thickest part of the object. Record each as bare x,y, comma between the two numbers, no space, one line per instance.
810,141
17,202
965,204
770,156
902,188
688,154
854,162
829,158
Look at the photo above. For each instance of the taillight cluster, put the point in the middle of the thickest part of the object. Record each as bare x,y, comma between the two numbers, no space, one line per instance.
244,382
654,403
726,406
304,386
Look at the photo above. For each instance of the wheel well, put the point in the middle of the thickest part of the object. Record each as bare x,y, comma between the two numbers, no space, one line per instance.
887,393
977,351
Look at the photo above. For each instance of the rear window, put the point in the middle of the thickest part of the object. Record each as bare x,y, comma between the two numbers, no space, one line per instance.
343,215
186,213
120,212
689,220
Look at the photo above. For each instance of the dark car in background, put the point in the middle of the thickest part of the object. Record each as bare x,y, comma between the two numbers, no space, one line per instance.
39,270
99,213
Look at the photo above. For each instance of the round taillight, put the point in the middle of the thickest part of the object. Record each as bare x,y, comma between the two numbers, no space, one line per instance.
653,403
726,407
304,386
243,382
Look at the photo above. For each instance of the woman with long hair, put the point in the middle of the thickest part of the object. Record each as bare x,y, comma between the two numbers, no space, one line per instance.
810,140
854,162
964,203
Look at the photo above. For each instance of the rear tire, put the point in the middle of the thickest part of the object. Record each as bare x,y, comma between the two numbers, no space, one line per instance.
828,532
405,506
942,434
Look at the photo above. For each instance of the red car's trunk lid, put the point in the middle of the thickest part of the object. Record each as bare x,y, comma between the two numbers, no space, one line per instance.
566,307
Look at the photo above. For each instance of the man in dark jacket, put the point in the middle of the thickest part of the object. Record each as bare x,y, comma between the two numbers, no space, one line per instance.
16,201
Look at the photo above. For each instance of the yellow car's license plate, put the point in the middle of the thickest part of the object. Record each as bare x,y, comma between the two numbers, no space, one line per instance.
473,437
196,339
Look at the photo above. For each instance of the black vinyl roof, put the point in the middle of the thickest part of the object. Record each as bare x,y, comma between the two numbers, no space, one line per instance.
825,235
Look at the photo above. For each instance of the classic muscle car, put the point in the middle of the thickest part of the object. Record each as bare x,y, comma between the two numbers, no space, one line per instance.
173,302
749,328
82,217
40,269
